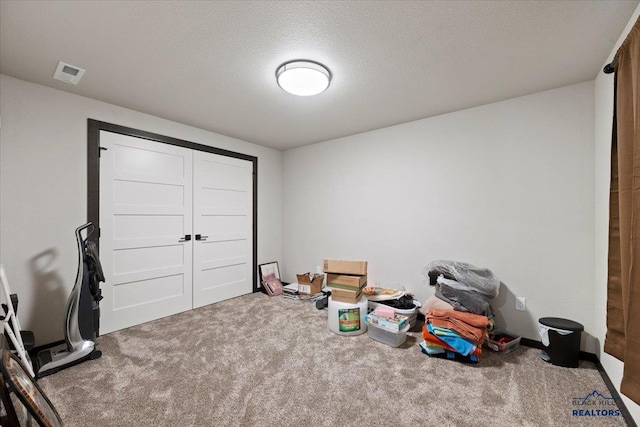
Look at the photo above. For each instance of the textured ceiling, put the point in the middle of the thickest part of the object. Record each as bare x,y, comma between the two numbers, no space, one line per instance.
212,64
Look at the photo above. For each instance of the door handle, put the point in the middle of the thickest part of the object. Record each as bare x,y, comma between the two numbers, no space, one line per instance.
201,237
186,238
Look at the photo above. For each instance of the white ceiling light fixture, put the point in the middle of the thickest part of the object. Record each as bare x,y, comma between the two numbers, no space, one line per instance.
303,78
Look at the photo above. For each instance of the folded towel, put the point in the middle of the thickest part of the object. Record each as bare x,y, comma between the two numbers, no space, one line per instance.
429,337
469,325
433,340
463,346
435,303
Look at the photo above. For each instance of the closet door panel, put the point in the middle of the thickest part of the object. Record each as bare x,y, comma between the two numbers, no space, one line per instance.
216,254
223,212
146,208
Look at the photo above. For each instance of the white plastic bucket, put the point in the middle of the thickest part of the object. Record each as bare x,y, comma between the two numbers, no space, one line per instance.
346,318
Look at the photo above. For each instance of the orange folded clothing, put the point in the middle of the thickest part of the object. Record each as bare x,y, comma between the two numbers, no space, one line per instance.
428,336
477,320
469,325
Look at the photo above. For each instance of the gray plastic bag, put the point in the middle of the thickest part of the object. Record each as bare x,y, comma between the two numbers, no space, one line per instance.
477,279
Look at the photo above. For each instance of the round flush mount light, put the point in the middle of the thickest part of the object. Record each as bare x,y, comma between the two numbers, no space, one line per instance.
303,78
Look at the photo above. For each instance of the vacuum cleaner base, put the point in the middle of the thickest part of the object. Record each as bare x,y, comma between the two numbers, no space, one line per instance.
54,359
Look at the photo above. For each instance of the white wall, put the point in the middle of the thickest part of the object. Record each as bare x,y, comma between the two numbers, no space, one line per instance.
603,125
507,186
43,191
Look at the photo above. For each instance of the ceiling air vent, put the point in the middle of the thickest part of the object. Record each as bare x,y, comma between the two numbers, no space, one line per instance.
68,73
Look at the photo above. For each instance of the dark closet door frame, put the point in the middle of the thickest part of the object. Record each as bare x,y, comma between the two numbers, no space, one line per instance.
93,174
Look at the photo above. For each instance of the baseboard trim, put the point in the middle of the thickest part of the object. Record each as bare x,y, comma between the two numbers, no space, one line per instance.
531,343
590,357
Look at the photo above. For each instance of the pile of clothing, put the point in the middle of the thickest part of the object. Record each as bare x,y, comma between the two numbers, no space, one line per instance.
454,334
458,317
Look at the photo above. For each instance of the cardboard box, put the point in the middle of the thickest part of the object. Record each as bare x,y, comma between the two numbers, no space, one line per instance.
343,281
306,286
348,296
358,268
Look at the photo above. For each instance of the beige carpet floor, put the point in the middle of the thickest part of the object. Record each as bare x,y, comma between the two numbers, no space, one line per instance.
260,361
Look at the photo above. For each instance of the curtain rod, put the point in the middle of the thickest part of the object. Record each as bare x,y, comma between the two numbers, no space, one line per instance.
611,67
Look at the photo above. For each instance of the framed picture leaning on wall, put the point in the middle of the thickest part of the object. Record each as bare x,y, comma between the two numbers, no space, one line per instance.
270,278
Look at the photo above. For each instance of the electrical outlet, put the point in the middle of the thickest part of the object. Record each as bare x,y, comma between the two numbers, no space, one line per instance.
521,303
318,269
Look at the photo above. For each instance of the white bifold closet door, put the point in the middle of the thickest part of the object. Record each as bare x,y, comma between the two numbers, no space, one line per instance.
175,229
222,219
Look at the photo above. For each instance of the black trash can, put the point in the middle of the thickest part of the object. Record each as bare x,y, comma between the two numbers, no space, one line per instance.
563,347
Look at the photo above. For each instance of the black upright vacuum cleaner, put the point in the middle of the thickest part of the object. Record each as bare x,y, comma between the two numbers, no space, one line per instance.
82,319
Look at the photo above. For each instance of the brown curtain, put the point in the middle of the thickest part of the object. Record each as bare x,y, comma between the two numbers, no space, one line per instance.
623,300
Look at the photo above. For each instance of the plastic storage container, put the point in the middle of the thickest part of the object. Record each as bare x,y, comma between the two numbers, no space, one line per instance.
394,339
561,337
506,347
412,313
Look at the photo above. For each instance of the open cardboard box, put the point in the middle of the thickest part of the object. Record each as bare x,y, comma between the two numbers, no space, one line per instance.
308,286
